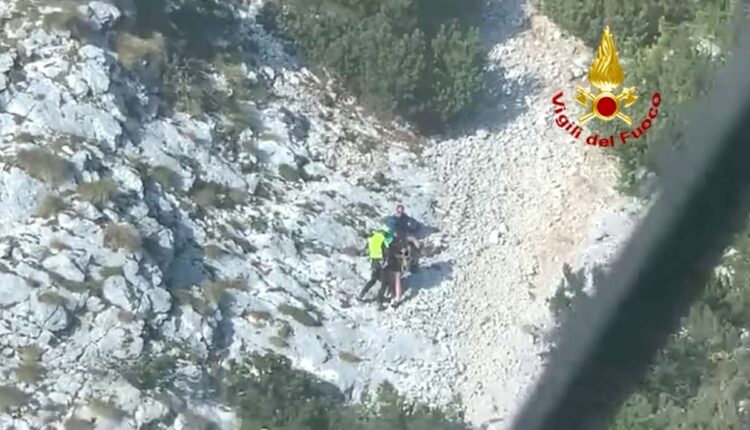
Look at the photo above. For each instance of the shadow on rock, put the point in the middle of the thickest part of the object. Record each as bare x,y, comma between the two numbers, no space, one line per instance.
428,277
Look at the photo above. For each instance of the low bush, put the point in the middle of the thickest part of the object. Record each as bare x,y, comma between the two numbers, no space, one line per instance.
44,165
49,206
418,58
300,315
11,397
215,290
122,236
152,371
133,50
29,373
97,192
212,195
51,298
164,176
267,393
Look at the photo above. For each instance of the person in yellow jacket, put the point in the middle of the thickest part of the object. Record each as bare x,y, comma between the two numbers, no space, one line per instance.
377,250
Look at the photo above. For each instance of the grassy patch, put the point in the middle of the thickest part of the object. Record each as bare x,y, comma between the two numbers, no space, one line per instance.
213,195
164,176
78,424
259,223
125,317
29,373
289,173
52,298
300,315
97,192
49,206
44,165
67,17
11,397
213,251
29,353
109,271
133,50
349,357
93,287
58,245
215,290
105,410
198,304
122,236
278,342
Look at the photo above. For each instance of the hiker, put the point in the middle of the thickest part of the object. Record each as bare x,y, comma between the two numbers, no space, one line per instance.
377,250
406,226
401,222
394,268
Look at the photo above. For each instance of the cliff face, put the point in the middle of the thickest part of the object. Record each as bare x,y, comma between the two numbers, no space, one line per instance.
135,234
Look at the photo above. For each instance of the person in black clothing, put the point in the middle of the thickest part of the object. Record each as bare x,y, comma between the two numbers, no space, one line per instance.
394,267
401,222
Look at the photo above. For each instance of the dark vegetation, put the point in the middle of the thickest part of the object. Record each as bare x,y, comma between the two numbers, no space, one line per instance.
269,394
417,58
701,378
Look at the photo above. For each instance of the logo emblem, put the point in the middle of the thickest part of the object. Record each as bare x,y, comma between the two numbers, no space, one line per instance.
606,75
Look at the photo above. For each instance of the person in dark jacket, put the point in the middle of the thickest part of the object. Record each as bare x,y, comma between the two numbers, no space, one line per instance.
406,227
401,222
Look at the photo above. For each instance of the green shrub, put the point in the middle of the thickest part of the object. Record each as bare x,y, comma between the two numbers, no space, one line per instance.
278,342
29,353
51,298
97,192
151,371
49,206
164,176
215,290
11,397
132,50
122,236
78,424
289,173
266,392
213,251
349,357
125,317
300,315
188,87
212,195
109,271
29,373
44,165
106,410
419,58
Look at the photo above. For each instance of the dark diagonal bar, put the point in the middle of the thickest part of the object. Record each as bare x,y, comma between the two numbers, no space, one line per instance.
610,341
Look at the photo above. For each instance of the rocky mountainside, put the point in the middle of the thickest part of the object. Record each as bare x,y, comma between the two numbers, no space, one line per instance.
139,250
144,244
